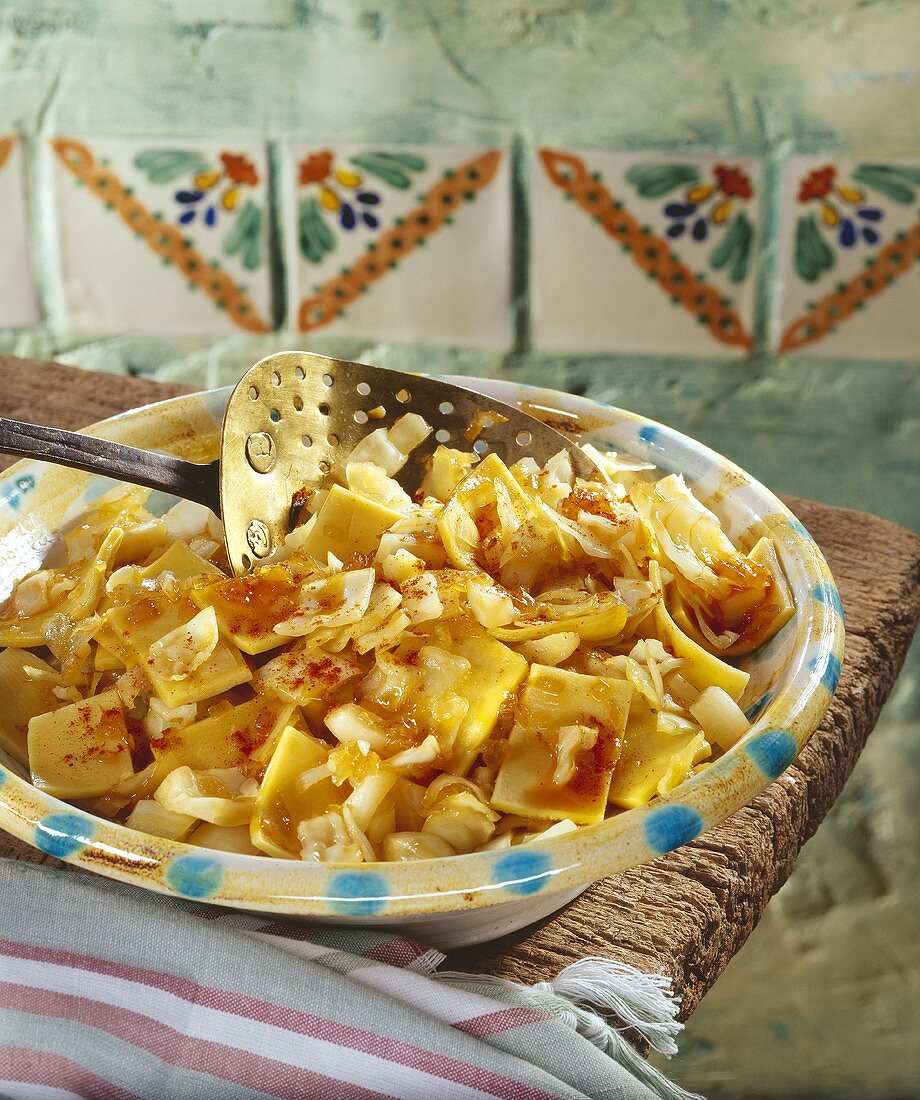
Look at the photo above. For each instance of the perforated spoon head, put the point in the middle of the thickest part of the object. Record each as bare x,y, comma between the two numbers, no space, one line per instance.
295,416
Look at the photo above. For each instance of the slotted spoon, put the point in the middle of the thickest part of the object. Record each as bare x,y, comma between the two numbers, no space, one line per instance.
290,420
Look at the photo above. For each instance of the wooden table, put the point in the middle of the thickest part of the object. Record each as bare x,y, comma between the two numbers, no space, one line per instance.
688,912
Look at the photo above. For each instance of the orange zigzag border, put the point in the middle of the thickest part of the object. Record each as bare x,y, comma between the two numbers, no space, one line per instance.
890,262
650,253
163,239
436,210
6,147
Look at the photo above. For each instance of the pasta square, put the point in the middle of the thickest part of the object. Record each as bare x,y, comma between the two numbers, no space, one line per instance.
549,772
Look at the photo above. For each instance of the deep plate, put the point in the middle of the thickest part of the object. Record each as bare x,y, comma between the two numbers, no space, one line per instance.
792,680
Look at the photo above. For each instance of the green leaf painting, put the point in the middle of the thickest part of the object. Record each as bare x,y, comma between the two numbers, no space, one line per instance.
316,238
898,183
733,252
167,165
813,255
394,169
654,180
245,237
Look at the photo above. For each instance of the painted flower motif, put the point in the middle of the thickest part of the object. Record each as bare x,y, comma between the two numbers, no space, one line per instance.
338,193
315,167
705,206
708,204
341,191
841,214
216,188
841,206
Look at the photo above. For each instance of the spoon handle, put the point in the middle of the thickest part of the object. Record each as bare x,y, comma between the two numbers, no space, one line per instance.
192,480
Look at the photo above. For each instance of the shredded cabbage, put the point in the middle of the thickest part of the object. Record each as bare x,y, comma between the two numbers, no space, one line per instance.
497,659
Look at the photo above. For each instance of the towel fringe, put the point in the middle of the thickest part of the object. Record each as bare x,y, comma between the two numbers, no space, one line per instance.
642,1002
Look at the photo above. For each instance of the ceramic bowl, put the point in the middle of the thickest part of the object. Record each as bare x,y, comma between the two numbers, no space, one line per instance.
471,898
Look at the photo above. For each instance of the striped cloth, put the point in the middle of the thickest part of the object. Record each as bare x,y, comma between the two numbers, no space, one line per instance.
109,993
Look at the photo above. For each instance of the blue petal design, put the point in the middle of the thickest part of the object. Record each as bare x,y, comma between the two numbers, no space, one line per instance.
186,216
369,198
675,229
871,213
699,229
347,216
522,871
829,595
847,233
210,216
194,876
670,826
63,835
869,235
830,675
369,220
772,751
679,209
189,196
358,893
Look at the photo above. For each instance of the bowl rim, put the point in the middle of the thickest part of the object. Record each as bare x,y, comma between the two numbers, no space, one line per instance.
780,729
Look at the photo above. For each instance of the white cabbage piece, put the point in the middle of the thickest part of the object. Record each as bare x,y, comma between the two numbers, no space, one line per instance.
401,847
722,720
490,604
212,795
691,539
333,601
456,810
371,481
179,653
186,520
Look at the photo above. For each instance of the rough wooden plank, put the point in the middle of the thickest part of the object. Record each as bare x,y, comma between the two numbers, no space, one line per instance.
65,397
686,913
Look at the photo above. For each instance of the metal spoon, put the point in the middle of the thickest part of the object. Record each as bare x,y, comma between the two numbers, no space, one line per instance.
290,419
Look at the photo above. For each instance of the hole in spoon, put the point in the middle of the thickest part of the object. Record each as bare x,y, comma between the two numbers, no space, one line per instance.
297,402
442,435
327,380
523,438
253,393
480,446
300,373
361,416
276,378
403,396
247,561
332,439
306,441
274,416
325,467
363,388
446,408
324,409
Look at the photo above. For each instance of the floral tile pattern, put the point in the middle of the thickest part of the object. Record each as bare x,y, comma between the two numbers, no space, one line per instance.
400,242
162,236
18,297
643,252
848,251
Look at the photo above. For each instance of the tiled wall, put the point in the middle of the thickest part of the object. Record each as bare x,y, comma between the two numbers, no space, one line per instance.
776,320
629,252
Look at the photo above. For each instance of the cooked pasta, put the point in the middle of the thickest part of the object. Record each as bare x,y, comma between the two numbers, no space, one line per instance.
511,654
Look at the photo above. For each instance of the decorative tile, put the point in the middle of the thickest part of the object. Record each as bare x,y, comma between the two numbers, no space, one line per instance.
848,246
408,243
18,298
643,252
169,237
